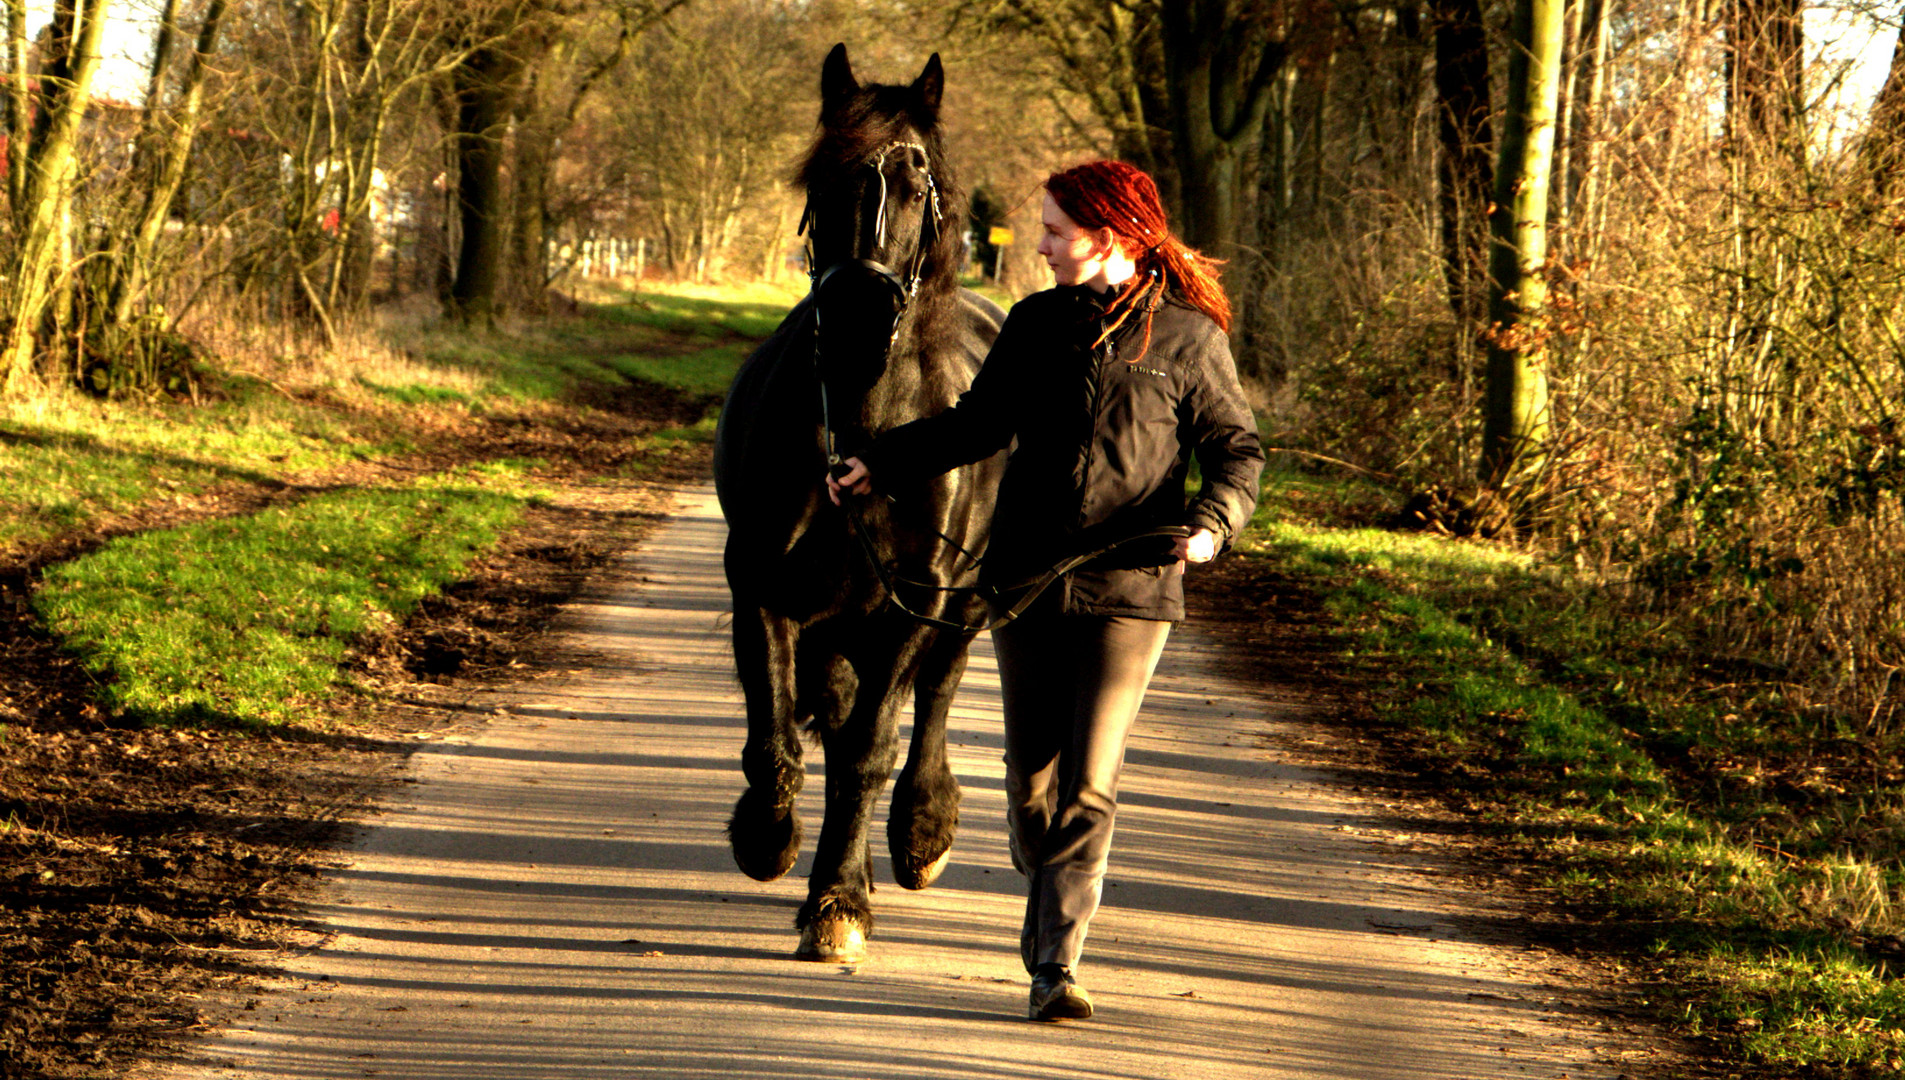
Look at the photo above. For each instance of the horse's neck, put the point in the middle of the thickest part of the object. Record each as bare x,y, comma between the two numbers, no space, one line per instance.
894,398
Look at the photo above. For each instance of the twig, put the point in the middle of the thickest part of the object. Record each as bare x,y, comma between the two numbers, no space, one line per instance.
1326,457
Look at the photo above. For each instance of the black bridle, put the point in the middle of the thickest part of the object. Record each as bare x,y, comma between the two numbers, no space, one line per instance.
904,290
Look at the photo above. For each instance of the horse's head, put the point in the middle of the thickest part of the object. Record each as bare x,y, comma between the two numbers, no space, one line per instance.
879,212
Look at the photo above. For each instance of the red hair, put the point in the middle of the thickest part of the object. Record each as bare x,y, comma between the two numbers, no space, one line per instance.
1124,199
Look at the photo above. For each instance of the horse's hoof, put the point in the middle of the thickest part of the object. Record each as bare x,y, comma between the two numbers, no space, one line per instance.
910,878
832,941
765,846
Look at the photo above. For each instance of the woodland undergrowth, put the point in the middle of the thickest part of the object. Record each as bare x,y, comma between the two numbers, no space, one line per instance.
1711,568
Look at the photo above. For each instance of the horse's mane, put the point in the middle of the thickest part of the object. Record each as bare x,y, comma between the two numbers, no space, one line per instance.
852,129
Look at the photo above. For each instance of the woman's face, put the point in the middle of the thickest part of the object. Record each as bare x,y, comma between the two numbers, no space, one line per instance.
1075,254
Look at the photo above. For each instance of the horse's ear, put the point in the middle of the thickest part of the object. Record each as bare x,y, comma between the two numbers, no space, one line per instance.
836,78
930,85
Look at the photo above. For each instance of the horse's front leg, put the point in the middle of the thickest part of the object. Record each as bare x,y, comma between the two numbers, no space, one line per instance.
861,749
764,830
924,815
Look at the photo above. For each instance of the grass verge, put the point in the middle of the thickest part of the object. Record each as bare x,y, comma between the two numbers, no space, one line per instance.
1764,906
246,619
265,414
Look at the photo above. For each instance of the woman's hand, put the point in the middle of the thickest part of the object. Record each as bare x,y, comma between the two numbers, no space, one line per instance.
855,481
1199,547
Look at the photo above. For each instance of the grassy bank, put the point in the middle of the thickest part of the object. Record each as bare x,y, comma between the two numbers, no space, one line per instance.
1715,842
243,615
262,413
246,619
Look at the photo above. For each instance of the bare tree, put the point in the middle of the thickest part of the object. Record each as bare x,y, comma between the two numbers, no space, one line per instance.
1884,144
40,263
735,67
1765,73
161,159
1465,175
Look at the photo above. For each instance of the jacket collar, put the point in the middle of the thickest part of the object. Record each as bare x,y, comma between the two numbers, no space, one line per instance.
1090,298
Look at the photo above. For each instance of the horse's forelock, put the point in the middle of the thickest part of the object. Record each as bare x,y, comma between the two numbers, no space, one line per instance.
859,126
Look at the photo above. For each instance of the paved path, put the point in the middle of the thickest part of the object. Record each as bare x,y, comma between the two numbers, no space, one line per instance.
554,899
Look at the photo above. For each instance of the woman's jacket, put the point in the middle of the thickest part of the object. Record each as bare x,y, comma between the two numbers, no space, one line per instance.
1102,440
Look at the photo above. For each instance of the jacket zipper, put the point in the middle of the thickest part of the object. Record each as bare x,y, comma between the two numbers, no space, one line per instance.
1098,365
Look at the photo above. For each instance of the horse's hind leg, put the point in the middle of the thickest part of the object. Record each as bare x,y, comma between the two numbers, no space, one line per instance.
924,815
764,830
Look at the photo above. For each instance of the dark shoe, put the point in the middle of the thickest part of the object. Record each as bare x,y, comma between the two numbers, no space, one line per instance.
1056,996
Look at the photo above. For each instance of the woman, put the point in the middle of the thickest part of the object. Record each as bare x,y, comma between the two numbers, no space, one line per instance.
1109,383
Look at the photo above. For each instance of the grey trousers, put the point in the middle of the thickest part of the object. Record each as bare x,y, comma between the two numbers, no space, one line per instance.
1073,685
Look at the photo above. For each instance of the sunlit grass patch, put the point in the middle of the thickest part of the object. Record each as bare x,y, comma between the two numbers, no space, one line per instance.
751,311
1808,1004
706,372
65,462
245,619
687,338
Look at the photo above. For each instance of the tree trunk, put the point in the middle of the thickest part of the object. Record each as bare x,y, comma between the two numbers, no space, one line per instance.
1590,161
1276,174
19,111
1220,65
529,265
486,93
1219,70
1884,146
47,191
1319,123
1465,176
1517,419
1765,69
1561,198
129,279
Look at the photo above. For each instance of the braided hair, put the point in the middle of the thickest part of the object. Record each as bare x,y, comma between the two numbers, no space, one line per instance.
1124,199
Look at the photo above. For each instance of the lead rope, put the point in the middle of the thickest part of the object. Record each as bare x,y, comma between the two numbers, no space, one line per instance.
826,415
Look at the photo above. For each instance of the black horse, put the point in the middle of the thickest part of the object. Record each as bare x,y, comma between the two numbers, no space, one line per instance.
885,336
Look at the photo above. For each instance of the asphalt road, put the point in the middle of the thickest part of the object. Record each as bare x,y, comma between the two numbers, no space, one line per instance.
554,898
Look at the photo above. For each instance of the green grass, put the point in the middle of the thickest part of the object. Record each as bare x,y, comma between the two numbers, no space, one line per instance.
245,620
687,338
1518,683
712,311
703,373
69,463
